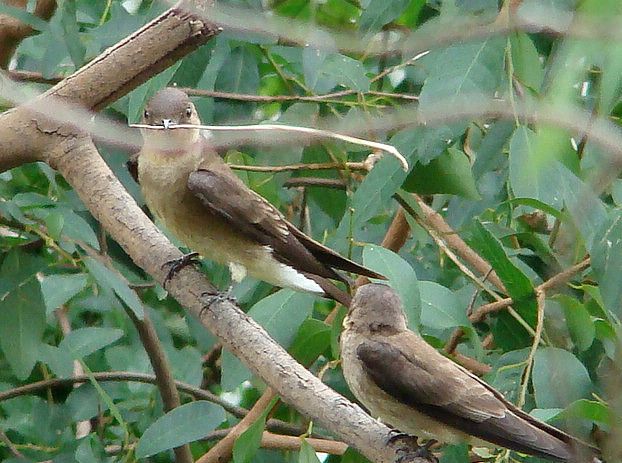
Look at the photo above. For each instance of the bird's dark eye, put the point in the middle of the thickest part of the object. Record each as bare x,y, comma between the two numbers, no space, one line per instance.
146,114
188,111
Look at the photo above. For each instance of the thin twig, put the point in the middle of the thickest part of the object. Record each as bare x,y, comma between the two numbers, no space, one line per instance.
312,166
283,98
540,296
555,281
475,366
14,451
269,440
334,183
164,375
195,392
449,235
466,251
281,442
318,133
222,451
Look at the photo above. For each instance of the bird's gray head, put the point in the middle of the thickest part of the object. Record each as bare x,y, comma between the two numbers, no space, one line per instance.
376,308
168,107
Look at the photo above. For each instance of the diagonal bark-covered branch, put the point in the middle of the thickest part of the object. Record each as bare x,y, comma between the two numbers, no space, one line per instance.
78,161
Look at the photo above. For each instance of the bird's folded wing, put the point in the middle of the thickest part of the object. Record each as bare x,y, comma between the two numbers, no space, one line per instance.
440,389
331,258
251,215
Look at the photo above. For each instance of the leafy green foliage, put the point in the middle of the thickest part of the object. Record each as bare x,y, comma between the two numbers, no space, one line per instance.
184,424
248,443
401,277
529,195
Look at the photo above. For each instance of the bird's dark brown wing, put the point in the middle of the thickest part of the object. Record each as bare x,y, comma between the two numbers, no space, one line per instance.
251,215
440,389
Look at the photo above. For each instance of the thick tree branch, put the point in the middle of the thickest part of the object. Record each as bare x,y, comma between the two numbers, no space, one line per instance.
13,31
112,74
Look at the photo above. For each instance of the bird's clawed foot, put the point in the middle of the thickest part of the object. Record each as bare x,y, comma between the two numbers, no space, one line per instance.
176,265
410,450
209,298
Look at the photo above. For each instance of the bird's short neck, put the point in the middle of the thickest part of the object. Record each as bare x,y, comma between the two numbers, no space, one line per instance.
169,167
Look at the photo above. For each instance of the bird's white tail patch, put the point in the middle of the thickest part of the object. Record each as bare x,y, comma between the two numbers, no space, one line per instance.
291,278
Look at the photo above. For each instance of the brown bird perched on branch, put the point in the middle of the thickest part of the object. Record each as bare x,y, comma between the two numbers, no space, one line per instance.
188,186
410,385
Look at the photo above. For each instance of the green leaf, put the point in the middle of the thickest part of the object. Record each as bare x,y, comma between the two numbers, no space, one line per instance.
508,332
440,307
526,61
246,446
281,314
181,425
449,173
109,279
534,203
84,452
58,289
352,456
71,32
579,322
77,228
22,312
508,372
33,21
516,282
592,410
554,367
307,453
84,341
325,71
370,199
587,211
239,73
312,339
377,14
606,262
335,331
455,453
476,69
59,360
531,171
401,277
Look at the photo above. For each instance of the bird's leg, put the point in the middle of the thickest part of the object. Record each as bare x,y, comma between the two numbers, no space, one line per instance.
175,265
411,449
213,297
